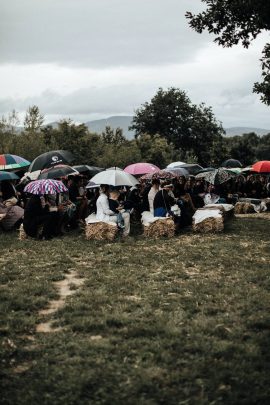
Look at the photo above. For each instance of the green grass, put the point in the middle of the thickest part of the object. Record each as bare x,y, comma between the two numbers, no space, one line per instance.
179,321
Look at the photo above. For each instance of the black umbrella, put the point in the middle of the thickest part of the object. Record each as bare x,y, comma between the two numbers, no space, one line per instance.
192,168
89,170
50,159
57,172
231,163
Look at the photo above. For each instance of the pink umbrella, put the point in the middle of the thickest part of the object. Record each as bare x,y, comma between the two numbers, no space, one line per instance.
138,169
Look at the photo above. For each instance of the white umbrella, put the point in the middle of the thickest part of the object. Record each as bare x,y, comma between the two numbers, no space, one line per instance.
115,178
174,164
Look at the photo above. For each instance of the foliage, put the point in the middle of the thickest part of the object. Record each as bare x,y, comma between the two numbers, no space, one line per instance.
190,128
33,119
234,21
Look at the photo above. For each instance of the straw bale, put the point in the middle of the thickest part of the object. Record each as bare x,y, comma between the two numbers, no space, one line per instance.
248,208
239,208
161,227
209,225
100,231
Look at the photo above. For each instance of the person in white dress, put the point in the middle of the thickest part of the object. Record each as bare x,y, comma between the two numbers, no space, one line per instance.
152,193
104,213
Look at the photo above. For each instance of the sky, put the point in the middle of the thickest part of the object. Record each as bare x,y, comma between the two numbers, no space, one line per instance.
91,59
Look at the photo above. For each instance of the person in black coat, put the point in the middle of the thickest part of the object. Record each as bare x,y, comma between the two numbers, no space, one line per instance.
36,214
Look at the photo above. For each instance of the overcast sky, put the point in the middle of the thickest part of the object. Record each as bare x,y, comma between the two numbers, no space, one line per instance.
89,59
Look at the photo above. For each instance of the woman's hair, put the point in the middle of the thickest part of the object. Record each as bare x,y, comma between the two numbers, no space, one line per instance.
105,188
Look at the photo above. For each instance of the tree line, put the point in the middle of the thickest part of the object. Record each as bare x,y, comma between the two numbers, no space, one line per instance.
168,128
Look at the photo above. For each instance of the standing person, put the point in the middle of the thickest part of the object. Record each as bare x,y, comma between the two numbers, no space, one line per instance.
152,193
78,197
104,213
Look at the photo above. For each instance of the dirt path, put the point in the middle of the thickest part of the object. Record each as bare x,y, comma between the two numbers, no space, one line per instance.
65,289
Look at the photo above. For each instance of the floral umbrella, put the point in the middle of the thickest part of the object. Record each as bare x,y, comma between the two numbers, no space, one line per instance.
10,162
161,174
46,186
217,176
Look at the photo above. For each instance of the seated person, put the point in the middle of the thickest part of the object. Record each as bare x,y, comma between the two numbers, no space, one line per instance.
37,213
115,206
13,216
163,201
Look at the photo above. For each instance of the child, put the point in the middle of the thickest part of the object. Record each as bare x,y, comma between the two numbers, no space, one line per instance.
116,207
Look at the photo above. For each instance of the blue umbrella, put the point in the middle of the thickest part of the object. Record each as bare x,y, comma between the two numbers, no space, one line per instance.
8,176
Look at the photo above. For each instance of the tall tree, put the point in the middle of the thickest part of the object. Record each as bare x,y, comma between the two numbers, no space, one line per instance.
33,119
191,129
234,21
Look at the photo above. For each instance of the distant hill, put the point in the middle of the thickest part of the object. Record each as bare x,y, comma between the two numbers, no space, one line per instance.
114,122
123,122
245,130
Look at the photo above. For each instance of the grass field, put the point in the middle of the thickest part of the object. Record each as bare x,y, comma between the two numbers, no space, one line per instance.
179,321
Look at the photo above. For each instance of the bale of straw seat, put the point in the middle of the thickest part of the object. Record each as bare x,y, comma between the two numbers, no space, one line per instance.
101,231
161,227
209,225
22,233
243,208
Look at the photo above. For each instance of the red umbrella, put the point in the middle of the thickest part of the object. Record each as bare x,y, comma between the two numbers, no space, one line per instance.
261,167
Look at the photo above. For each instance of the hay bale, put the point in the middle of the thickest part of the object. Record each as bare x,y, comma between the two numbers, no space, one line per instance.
101,231
161,227
239,208
209,225
248,208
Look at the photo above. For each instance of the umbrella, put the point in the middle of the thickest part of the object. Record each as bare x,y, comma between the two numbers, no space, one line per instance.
175,164
50,159
179,171
161,174
191,168
236,170
10,162
46,186
114,168
8,176
231,163
261,167
91,184
207,169
141,168
91,170
115,178
58,171
217,176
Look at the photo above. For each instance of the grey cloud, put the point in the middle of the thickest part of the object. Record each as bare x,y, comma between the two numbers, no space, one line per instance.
98,32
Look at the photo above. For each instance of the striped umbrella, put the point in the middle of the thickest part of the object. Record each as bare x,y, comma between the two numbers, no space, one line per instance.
46,186
10,162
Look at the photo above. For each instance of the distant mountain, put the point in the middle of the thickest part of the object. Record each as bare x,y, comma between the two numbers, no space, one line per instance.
245,130
114,122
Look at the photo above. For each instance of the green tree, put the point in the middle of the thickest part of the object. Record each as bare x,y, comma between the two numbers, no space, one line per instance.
234,21
155,149
189,128
33,119
111,136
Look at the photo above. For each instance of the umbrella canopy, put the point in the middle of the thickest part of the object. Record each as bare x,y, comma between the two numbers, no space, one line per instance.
47,186
114,168
161,174
91,184
178,171
192,168
90,170
8,176
58,171
231,163
175,164
207,169
10,162
217,176
138,169
50,159
115,178
261,167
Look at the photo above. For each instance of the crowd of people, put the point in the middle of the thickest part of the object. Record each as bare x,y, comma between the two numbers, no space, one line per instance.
49,216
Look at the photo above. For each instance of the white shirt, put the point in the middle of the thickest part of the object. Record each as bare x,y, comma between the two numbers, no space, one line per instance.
103,209
151,195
